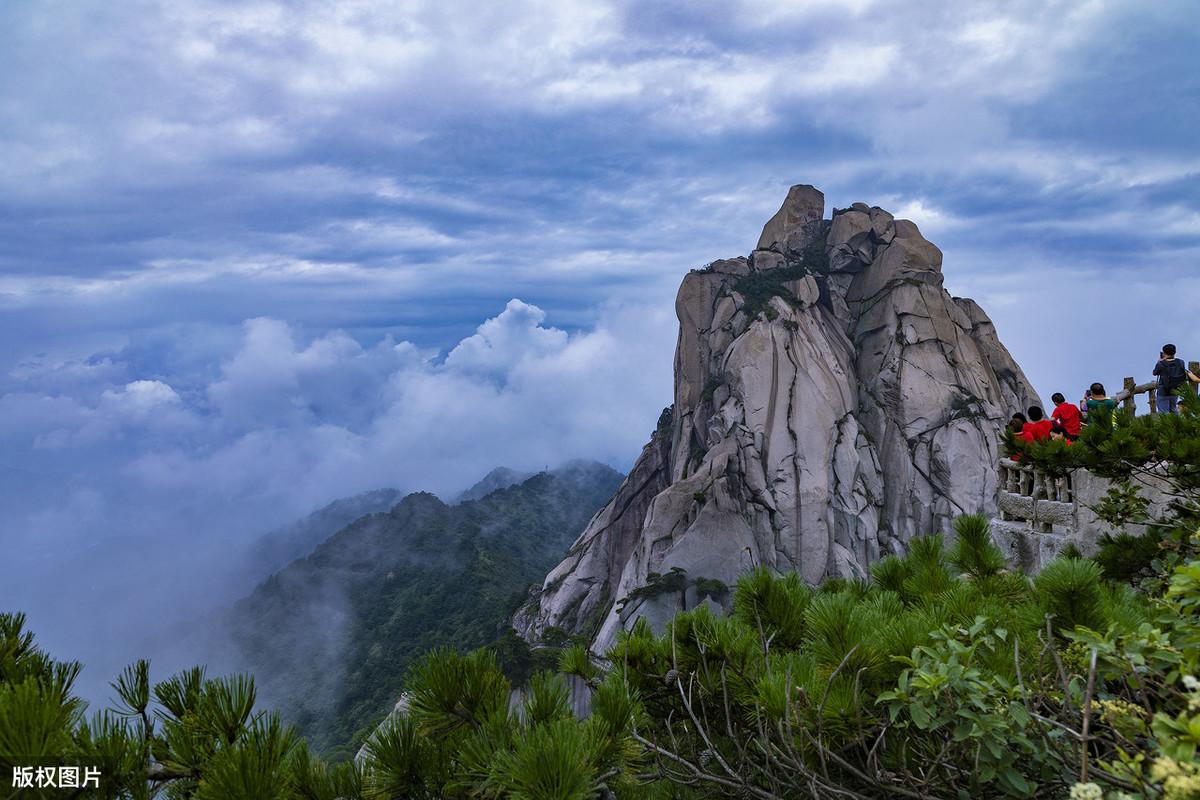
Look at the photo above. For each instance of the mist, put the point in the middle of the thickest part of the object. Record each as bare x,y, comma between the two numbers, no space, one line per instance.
133,496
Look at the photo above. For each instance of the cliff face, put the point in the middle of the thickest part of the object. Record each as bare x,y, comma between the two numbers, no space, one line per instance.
832,401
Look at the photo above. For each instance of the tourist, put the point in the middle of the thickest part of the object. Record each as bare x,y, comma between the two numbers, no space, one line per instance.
1016,428
1058,432
1067,414
1017,424
1038,427
1172,374
1095,401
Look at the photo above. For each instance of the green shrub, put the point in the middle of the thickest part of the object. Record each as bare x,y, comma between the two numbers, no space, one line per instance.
1127,558
1069,591
760,287
858,690
675,580
556,760
718,590
841,632
576,660
890,572
928,572
1071,551
450,691
974,553
546,699
776,604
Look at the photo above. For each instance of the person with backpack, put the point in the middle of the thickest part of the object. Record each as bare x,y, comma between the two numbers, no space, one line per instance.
1172,373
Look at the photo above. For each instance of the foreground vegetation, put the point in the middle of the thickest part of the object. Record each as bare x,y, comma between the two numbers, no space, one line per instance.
944,676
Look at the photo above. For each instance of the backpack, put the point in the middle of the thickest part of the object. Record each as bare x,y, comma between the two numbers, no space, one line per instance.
1173,375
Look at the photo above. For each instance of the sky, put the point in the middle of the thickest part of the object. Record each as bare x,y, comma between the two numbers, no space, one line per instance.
255,256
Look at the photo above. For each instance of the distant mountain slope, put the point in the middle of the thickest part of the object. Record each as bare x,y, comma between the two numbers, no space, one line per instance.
280,547
499,478
330,636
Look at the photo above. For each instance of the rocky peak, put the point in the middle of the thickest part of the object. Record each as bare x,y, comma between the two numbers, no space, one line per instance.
793,225
831,402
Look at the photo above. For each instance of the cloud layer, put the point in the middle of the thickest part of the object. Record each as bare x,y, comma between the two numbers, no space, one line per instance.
318,162
245,247
158,488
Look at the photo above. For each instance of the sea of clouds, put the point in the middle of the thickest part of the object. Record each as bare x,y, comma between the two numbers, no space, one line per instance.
140,493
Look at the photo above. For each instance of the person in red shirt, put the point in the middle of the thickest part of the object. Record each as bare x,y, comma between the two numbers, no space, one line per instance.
1038,427
1017,423
1016,426
1068,415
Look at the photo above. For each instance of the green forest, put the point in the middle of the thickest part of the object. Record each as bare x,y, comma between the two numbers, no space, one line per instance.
946,675
331,637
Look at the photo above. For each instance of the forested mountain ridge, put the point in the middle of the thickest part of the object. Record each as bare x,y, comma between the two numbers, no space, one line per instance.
499,478
278,548
331,636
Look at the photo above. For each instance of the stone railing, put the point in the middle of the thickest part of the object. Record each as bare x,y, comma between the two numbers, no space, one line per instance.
1031,502
1039,514
1045,503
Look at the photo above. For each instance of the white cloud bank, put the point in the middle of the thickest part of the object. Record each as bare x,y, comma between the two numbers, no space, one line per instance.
138,495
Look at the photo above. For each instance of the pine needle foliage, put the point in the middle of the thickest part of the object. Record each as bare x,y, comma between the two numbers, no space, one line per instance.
1125,557
890,572
939,679
401,759
451,691
974,553
576,660
774,604
928,572
1069,591
133,689
546,699
842,633
258,766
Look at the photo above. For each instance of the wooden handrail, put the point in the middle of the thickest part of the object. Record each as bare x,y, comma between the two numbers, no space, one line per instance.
1131,390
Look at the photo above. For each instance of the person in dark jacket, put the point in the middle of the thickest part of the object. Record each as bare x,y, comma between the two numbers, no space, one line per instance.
1172,375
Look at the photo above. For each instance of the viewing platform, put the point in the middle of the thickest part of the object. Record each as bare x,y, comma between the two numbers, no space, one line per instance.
1038,515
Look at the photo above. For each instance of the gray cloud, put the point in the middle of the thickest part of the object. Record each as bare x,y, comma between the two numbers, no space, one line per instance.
161,490
236,239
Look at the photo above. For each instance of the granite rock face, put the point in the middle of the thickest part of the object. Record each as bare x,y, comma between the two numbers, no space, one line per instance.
832,401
